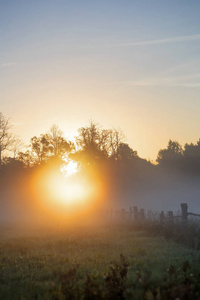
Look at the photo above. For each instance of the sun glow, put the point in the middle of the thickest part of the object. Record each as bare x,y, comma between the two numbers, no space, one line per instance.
68,190
69,169
65,190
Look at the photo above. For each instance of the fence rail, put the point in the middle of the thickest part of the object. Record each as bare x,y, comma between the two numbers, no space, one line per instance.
139,215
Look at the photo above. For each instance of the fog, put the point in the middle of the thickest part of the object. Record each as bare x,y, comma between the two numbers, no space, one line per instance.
167,196
159,191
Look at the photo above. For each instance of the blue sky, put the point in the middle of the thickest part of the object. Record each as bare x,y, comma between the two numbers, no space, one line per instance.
133,65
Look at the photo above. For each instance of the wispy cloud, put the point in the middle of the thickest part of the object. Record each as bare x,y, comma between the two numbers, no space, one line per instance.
189,81
177,39
8,64
165,83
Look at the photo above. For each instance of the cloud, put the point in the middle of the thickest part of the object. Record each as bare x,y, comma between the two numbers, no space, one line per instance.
8,64
165,83
186,38
189,80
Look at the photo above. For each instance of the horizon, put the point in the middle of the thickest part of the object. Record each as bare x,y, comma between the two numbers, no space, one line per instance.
72,138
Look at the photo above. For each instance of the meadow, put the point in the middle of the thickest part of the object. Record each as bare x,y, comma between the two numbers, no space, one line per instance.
95,262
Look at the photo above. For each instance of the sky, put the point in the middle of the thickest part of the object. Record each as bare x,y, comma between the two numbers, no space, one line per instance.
129,65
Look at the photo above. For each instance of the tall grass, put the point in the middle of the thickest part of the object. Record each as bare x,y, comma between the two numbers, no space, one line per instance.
110,262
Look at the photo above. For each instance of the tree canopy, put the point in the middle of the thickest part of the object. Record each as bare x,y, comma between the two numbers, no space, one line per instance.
93,145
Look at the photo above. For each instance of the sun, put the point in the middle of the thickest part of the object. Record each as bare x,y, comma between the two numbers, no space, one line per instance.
68,190
69,168
66,187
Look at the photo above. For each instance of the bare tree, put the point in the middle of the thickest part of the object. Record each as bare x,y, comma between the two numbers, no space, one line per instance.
98,143
41,148
6,137
88,136
17,146
59,143
116,138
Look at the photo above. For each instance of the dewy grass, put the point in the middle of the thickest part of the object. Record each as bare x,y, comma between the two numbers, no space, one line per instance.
101,263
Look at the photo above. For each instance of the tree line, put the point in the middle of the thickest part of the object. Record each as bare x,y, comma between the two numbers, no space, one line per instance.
92,146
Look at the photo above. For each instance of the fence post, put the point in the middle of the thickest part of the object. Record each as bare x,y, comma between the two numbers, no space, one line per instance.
184,211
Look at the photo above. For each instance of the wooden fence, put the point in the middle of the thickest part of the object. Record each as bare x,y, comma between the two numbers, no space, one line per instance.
140,215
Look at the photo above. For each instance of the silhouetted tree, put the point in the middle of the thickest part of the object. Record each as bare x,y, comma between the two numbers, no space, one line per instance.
48,145
41,148
58,143
88,135
16,146
116,139
191,155
91,143
12,164
171,156
6,137
126,153
26,159
96,144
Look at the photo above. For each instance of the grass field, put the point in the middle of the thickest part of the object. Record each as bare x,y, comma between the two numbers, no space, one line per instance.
95,263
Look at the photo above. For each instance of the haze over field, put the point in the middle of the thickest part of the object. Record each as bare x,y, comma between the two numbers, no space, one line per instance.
132,65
